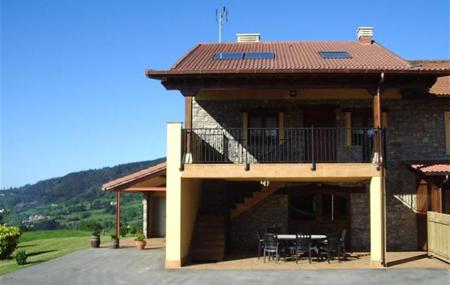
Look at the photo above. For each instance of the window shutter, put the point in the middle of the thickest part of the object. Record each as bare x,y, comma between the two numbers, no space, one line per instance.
384,119
447,131
281,127
348,128
244,128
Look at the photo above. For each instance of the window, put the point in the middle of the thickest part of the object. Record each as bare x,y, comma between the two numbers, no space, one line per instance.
224,55
335,54
263,127
302,207
447,131
259,55
361,121
334,207
331,207
240,55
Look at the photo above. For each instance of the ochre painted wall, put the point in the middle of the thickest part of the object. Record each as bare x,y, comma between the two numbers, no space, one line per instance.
173,196
190,198
182,198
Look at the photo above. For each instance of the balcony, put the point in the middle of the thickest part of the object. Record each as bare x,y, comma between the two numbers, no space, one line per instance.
289,145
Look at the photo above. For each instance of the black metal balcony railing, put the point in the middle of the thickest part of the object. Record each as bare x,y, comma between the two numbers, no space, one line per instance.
291,145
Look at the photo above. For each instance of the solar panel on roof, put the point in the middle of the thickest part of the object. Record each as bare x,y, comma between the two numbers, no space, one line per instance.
249,55
259,55
228,55
334,54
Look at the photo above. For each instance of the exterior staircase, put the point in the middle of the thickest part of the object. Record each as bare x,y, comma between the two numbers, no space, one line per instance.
208,240
255,198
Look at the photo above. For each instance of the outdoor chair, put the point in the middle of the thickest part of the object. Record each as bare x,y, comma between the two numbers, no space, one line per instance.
301,246
271,247
341,243
274,230
260,238
334,245
330,248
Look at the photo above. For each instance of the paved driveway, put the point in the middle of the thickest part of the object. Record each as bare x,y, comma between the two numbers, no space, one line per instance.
130,266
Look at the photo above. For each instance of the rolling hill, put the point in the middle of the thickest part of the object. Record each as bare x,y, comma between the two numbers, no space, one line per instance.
73,200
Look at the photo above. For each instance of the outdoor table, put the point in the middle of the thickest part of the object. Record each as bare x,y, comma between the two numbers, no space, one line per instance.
293,237
285,238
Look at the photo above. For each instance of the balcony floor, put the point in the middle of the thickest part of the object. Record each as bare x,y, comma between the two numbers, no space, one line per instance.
325,172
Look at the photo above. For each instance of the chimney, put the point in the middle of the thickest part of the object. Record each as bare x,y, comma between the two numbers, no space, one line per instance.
365,35
248,38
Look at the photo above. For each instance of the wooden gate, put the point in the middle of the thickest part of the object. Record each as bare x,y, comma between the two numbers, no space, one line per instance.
438,225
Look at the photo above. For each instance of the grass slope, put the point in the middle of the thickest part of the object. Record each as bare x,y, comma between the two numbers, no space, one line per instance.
43,246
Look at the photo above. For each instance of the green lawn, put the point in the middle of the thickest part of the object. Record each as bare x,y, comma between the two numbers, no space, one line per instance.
46,245
35,235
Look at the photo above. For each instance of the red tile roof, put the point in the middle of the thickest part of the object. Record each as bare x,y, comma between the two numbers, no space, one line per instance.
442,85
153,170
292,57
432,167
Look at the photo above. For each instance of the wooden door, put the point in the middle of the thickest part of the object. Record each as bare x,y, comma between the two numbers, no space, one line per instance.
422,202
320,143
317,210
158,216
428,198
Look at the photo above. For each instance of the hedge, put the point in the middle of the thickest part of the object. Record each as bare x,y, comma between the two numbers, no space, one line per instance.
9,237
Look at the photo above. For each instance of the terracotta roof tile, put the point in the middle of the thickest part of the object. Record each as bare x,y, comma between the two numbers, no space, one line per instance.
161,167
432,167
291,55
442,85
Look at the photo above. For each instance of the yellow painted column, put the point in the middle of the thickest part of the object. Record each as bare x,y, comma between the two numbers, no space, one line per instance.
376,222
173,196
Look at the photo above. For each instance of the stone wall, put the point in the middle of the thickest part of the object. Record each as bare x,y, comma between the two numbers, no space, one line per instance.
272,212
415,132
360,221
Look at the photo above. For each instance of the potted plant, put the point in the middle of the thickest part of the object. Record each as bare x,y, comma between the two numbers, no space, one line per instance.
139,241
95,239
114,241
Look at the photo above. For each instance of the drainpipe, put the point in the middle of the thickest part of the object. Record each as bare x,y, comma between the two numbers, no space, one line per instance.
381,165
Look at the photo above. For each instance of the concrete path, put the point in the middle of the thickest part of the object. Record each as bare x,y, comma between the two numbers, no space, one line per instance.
131,266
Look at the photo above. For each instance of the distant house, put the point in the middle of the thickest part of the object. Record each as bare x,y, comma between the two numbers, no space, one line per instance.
306,137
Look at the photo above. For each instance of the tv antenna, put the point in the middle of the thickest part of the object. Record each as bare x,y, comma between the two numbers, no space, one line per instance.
221,15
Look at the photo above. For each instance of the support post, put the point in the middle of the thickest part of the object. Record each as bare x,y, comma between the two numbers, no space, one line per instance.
377,247
377,126
118,215
377,188
313,159
145,225
173,196
188,127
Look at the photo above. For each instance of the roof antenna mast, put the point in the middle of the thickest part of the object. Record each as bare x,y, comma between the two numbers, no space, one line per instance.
221,15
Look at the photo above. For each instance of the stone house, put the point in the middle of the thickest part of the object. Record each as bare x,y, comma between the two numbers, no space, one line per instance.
305,137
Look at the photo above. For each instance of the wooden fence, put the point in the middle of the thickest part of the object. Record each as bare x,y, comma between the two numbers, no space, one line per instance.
439,235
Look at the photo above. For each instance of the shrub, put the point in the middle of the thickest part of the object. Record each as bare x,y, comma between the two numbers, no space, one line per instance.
89,225
9,237
85,215
132,230
3,214
21,257
123,231
140,237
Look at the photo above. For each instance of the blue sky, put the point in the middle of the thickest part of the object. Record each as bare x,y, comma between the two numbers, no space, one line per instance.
73,91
